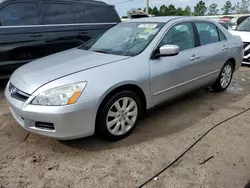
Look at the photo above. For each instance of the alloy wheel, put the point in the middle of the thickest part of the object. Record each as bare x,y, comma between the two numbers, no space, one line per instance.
122,116
226,76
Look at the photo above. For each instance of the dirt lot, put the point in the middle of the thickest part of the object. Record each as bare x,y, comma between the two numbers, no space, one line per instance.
162,136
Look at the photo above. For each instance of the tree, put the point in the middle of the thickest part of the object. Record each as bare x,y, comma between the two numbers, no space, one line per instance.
171,10
227,8
243,7
212,9
155,11
149,10
179,12
187,11
163,10
200,9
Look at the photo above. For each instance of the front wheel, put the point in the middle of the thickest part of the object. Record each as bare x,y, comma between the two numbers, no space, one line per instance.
119,115
224,78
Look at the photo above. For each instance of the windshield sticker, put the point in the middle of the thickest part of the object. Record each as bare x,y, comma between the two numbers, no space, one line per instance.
148,26
148,30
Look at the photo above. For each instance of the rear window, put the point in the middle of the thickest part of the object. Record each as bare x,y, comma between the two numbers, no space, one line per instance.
17,14
55,13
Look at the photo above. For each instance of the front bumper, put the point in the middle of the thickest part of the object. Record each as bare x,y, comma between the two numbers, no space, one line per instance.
70,121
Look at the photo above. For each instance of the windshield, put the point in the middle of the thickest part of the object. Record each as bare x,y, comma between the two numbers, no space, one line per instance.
127,39
244,26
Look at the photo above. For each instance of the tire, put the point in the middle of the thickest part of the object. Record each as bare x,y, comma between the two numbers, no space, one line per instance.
114,125
225,77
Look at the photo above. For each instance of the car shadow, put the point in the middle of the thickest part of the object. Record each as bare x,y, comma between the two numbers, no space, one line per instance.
164,120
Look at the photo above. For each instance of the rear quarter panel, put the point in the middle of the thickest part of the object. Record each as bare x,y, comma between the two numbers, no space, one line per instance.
236,46
237,51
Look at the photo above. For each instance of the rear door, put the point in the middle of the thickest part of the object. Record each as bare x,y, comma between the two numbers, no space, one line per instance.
61,27
21,35
214,51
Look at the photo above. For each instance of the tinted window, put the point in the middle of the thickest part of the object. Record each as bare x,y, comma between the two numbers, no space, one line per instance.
58,13
97,14
224,25
19,14
181,35
244,26
207,32
222,36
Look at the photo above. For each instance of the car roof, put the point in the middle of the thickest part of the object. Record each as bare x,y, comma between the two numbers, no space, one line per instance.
165,19
77,1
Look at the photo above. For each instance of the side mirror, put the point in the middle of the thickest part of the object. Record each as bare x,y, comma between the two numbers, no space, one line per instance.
169,50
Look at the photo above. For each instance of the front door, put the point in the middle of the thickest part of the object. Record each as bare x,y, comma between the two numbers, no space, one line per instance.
175,75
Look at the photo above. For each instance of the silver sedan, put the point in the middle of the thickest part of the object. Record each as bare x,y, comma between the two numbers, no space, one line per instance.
105,85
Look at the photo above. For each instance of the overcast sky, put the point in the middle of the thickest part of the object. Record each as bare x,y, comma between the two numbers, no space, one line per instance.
124,7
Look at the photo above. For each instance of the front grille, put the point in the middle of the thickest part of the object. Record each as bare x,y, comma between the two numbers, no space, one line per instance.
17,93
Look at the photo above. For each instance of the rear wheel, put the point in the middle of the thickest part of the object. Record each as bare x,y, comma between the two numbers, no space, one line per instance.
224,78
119,115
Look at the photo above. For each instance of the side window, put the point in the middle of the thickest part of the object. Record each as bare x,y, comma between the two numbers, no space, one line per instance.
207,32
79,11
110,14
224,25
181,35
58,13
103,14
222,36
17,14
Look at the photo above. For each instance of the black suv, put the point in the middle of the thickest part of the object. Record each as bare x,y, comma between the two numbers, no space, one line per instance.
31,29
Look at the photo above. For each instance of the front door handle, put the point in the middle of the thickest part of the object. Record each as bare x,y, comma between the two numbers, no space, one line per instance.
224,48
194,57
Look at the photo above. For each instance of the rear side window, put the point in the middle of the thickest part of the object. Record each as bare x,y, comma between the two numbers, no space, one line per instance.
18,14
222,36
55,13
207,32
97,14
224,25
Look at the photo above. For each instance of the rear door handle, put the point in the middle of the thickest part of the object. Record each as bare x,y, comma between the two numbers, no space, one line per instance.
36,35
194,57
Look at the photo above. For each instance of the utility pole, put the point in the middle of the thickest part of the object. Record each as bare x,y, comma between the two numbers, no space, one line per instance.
147,6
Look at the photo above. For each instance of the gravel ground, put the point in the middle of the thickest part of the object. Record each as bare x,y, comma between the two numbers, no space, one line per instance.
165,133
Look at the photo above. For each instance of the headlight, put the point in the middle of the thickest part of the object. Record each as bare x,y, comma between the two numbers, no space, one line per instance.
67,94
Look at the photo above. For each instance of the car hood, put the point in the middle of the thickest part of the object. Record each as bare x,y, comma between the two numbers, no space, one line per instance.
31,76
245,36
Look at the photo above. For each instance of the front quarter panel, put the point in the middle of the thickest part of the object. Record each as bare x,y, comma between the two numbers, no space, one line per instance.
103,79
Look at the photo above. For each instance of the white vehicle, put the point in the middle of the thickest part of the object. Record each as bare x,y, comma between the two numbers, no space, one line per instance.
243,30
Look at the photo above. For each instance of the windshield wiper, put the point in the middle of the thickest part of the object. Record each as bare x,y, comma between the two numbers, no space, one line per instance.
101,51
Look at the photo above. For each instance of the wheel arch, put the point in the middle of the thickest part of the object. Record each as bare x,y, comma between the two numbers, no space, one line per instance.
233,61
118,88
